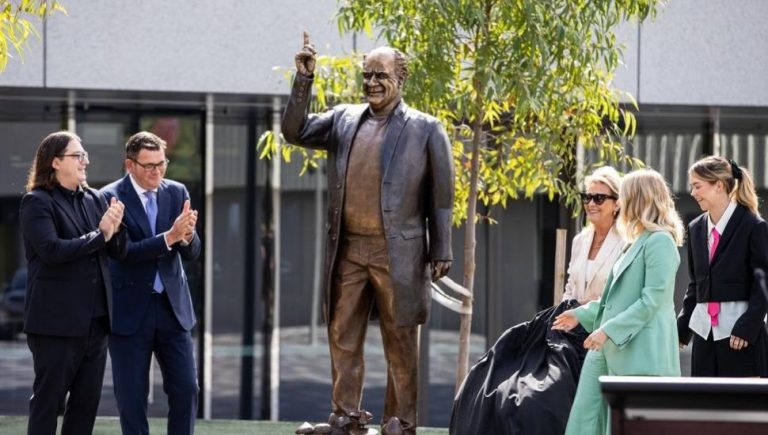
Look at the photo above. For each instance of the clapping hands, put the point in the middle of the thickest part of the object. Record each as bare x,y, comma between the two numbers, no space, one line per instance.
184,226
112,219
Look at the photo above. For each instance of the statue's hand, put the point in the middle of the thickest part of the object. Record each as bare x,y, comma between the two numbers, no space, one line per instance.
440,268
305,58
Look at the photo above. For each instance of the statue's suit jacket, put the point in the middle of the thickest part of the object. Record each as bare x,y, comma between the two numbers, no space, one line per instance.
637,310
416,190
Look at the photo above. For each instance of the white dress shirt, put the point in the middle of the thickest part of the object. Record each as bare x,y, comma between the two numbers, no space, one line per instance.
730,312
143,197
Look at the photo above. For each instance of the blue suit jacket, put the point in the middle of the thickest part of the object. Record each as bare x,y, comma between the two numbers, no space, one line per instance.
132,278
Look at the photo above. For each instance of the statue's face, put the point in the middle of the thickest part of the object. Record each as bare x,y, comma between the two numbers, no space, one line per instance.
380,84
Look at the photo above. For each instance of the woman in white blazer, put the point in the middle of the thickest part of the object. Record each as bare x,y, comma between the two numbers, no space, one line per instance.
587,274
598,245
585,280
536,366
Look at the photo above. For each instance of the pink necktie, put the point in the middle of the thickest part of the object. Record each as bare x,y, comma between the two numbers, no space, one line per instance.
713,308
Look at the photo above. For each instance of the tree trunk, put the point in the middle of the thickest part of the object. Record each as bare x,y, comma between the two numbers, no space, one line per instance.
469,257
479,83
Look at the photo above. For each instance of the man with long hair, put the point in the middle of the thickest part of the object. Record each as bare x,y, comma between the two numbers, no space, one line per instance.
68,231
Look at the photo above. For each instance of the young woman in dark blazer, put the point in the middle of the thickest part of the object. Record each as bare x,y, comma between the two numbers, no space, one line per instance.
724,309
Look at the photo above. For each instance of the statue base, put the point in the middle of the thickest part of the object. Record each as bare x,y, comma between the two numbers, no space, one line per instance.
325,429
341,424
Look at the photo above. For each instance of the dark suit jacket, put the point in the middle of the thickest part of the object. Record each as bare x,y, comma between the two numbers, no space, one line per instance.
743,247
416,190
66,262
132,278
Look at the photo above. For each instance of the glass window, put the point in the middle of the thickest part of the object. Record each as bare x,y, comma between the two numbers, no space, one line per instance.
183,135
20,134
104,142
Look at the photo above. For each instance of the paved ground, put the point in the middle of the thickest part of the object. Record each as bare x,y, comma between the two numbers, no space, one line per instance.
110,426
304,378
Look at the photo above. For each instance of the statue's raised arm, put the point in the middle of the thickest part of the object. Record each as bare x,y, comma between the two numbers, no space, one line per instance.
305,58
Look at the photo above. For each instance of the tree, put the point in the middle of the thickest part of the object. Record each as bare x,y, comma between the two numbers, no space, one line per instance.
519,83
16,24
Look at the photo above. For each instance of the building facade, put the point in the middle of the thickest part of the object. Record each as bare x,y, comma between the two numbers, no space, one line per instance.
203,76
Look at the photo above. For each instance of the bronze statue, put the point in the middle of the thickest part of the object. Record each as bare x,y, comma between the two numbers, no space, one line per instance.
390,198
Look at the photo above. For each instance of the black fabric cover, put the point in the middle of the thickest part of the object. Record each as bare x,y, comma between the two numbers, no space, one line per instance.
525,383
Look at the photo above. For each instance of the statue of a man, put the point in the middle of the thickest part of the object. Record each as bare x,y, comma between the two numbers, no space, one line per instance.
390,198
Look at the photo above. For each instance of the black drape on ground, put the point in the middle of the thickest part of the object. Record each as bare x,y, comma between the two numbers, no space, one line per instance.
525,383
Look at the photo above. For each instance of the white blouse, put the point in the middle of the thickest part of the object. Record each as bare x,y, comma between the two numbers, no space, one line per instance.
585,281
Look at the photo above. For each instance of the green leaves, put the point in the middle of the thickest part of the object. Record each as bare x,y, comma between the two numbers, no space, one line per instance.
270,145
535,75
16,25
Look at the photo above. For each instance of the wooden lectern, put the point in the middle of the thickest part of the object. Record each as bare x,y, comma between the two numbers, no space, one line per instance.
699,406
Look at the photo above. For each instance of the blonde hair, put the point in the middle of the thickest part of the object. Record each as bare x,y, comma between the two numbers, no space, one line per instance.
736,180
606,175
646,204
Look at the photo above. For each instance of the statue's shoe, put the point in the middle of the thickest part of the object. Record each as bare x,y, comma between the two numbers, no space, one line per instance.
305,428
393,427
323,428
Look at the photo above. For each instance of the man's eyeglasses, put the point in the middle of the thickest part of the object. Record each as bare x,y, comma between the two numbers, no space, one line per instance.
79,156
152,166
597,198
380,76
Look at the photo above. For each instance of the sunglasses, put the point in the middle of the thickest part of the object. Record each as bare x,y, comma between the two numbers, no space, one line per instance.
597,198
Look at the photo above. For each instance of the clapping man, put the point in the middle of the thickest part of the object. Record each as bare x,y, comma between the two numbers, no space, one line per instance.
153,306
68,231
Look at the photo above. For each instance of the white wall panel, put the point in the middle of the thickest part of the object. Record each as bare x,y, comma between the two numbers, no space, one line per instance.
229,46
26,70
709,52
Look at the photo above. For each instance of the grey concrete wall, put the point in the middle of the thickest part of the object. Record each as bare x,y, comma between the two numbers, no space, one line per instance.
625,77
228,46
695,53
26,70
706,53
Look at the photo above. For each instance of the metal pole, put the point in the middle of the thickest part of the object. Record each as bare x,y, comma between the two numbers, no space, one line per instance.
208,272
275,342
249,287
71,112
317,275
268,292
714,115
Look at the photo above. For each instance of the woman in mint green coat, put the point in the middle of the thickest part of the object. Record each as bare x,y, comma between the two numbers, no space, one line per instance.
633,329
